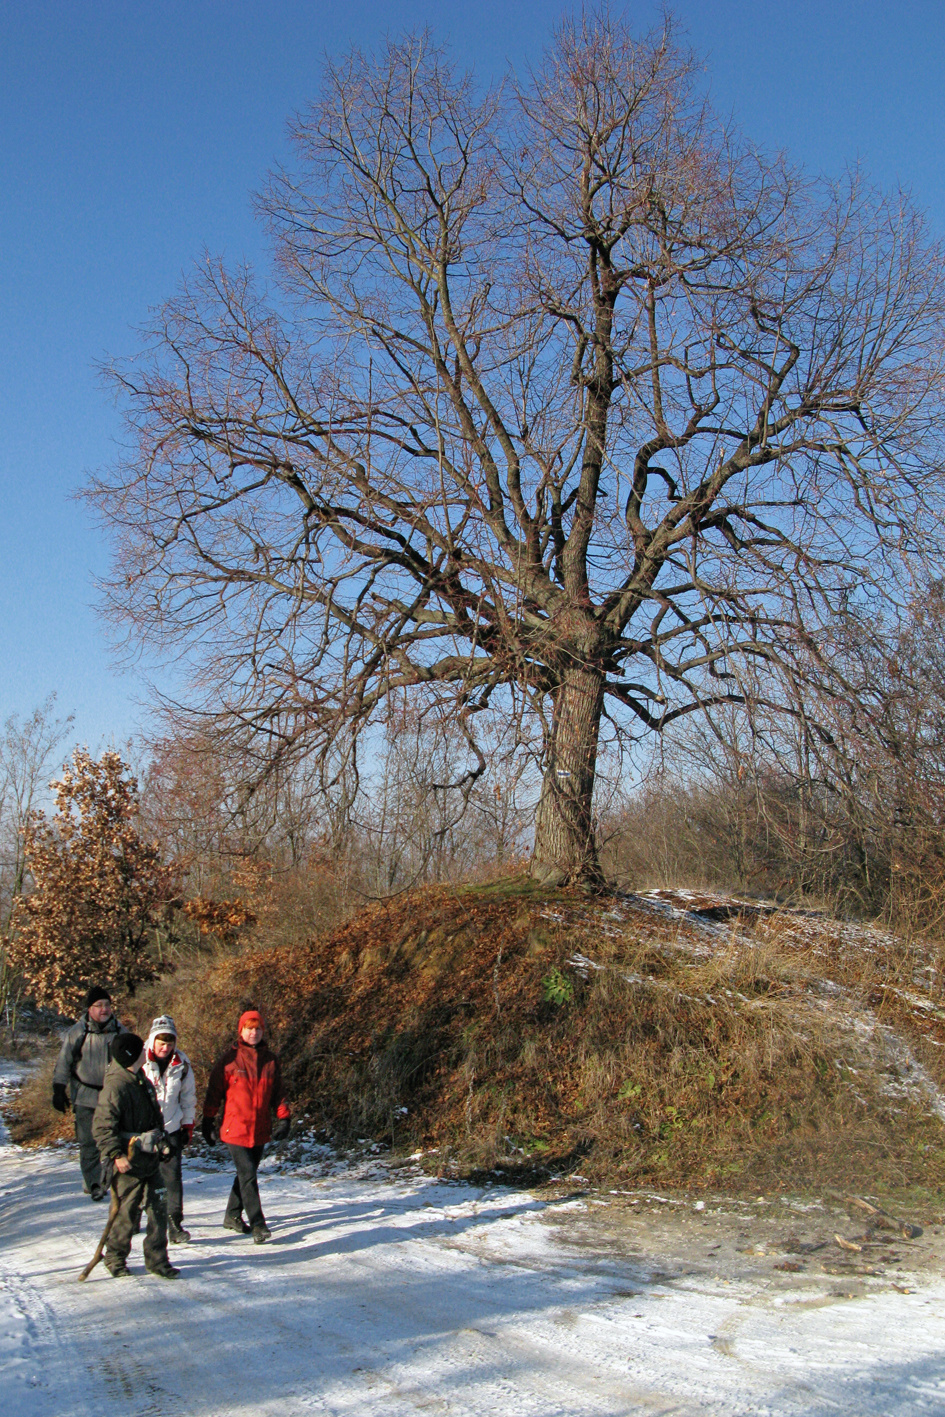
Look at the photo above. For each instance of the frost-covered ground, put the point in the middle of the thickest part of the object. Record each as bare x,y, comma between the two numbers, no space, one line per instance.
385,1292
706,920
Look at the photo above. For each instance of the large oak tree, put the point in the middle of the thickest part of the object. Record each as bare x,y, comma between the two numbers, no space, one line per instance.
564,400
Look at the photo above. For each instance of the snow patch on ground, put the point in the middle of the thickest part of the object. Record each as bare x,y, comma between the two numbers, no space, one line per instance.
873,1047
386,1292
11,1079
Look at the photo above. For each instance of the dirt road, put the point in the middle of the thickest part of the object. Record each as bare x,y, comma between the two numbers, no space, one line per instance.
387,1293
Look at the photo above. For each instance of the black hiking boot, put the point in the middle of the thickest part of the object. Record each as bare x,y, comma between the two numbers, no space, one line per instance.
261,1233
236,1222
98,1193
163,1271
119,1270
177,1234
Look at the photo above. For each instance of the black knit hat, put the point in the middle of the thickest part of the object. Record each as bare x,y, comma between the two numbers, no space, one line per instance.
95,993
126,1049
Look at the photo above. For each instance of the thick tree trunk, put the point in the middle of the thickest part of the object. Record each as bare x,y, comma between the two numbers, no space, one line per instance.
565,848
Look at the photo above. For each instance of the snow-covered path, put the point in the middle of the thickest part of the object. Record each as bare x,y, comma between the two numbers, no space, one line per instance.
395,1295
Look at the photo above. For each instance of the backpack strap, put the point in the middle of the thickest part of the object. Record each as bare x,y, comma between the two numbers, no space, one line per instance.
77,1047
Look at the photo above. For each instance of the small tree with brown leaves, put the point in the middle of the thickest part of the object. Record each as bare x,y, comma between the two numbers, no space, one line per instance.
96,887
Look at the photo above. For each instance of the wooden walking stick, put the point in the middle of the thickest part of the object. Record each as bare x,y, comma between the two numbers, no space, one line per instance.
113,1209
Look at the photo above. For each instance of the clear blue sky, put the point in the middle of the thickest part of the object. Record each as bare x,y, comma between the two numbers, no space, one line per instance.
132,135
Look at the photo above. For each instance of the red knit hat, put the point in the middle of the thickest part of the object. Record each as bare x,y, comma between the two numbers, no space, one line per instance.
251,1019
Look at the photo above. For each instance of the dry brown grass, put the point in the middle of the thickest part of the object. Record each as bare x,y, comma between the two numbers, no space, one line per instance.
678,1059
33,1119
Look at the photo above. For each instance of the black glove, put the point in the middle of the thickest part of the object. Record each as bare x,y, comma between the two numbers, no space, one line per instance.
60,1098
206,1126
281,1129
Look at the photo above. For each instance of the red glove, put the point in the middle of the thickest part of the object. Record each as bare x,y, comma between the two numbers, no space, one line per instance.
187,1133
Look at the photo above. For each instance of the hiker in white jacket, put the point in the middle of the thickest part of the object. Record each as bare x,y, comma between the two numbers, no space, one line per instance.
173,1077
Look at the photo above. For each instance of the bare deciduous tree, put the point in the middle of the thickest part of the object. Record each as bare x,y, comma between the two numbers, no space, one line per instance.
209,808
413,830
26,753
843,801
572,404
877,758
26,750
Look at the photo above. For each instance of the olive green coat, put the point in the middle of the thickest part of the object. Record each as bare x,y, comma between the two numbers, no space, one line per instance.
127,1106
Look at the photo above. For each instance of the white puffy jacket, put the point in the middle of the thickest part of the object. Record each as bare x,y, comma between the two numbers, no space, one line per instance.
175,1087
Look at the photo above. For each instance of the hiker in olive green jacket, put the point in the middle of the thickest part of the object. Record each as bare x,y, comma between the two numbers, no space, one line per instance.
128,1112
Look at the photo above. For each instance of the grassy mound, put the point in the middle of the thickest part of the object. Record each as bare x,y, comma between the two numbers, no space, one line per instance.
661,1040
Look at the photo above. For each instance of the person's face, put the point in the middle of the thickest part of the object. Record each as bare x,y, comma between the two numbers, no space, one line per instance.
100,1011
251,1033
163,1046
136,1065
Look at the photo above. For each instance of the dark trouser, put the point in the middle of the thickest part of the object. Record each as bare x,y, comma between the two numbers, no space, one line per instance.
89,1159
172,1181
135,1195
245,1192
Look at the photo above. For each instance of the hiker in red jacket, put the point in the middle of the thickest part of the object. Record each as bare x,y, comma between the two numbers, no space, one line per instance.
248,1082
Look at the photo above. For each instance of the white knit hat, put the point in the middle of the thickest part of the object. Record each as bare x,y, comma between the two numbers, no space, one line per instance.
163,1024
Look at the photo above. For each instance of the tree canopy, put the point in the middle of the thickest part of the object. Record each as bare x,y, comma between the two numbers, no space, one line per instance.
565,401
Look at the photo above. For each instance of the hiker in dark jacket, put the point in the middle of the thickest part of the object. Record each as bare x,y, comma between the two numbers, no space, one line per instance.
128,1130
79,1074
247,1080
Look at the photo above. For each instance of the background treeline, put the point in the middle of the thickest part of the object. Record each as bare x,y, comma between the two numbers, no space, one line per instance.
840,806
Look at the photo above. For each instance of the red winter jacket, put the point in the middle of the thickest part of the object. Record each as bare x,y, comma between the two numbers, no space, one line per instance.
248,1081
